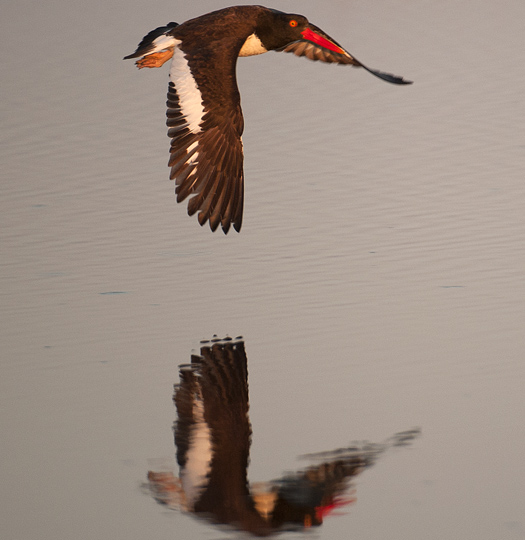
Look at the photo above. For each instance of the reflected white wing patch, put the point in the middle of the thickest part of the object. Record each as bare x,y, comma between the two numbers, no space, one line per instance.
199,456
190,97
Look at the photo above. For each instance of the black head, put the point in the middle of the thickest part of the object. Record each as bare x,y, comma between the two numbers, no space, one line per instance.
276,29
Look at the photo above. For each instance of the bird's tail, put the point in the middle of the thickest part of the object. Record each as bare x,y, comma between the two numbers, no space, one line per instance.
157,40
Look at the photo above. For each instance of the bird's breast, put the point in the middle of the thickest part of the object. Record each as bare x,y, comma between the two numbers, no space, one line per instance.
252,46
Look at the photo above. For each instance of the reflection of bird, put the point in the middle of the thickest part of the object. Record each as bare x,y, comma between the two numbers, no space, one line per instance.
204,112
213,435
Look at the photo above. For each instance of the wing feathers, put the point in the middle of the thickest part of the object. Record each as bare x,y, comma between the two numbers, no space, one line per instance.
206,157
314,51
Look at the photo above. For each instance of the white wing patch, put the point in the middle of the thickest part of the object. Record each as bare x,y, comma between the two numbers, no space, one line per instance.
193,154
252,46
190,97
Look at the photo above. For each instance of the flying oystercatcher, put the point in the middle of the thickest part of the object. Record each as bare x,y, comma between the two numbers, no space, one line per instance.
204,112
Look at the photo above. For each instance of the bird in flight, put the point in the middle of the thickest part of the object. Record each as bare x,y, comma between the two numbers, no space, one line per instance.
204,116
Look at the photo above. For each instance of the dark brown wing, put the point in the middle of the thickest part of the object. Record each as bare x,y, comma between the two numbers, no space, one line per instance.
205,125
315,51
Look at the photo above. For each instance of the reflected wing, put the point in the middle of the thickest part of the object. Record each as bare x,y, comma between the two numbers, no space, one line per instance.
212,401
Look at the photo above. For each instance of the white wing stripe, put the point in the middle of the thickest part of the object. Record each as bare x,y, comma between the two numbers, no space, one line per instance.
192,153
190,97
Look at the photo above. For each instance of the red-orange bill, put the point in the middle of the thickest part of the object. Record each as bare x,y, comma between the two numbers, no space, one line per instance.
316,38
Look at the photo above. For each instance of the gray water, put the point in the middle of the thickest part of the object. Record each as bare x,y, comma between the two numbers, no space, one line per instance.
378,281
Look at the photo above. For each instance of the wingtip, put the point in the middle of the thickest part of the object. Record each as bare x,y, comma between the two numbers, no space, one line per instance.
404,81
388,77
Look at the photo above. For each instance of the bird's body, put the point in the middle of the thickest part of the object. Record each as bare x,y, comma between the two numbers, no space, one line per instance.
204,113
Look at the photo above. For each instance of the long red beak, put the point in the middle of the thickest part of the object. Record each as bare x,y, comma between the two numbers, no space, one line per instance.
312,36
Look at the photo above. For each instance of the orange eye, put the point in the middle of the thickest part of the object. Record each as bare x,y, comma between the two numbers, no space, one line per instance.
293,23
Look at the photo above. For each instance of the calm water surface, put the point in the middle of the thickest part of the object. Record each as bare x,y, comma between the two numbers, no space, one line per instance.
378,281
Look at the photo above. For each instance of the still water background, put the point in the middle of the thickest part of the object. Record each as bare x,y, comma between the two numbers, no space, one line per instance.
378,280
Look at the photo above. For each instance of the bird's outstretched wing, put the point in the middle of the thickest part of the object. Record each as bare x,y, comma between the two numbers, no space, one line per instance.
317,45
206,153
205,123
